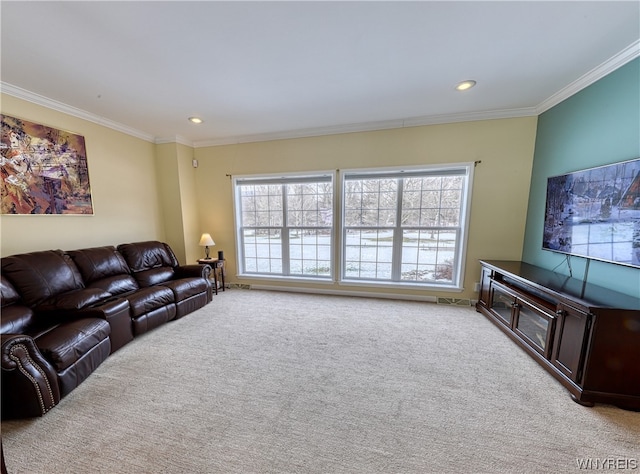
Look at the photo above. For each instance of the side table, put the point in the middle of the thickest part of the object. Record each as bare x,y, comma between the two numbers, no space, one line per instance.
216,266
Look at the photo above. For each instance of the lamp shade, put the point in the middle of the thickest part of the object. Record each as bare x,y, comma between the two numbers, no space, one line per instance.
206,240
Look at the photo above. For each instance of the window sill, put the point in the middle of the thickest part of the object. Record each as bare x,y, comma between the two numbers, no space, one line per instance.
402,286
353,283
316,280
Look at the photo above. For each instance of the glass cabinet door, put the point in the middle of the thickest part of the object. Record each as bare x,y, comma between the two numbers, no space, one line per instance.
502,304
535,326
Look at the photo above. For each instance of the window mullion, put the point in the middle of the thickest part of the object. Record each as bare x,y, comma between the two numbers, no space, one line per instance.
241,251
284,233
396,255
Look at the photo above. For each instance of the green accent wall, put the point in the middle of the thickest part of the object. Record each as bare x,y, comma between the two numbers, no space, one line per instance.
597,126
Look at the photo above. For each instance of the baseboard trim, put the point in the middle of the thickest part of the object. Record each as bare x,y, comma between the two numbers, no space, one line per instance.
365,294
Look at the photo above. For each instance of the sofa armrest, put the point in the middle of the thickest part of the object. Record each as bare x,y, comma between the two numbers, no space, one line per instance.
29,383
193,271
116,312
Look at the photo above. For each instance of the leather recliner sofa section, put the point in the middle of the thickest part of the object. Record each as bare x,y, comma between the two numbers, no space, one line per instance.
45,358
63,313
154,266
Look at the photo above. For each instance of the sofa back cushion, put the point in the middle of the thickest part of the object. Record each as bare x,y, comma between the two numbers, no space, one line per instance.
8,294
150,262
104,268
39,276
16,317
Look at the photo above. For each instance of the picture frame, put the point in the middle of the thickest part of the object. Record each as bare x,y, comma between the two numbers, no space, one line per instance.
43,170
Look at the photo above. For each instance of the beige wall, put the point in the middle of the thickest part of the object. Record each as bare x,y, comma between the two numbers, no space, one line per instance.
190,204
500,189
124,189
143,191
168,172
179,200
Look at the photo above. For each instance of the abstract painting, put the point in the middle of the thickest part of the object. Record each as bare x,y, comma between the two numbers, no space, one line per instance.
43,170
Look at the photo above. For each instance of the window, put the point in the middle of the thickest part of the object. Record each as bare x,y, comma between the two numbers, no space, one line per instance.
405,226
398,226
285,225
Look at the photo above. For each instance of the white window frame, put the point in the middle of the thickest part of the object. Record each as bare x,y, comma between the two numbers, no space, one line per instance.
338,230
465,169
281,179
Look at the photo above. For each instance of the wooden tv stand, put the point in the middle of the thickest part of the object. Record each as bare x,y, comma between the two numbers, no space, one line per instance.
587,337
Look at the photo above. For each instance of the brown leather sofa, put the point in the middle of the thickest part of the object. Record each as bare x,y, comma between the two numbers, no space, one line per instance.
64,313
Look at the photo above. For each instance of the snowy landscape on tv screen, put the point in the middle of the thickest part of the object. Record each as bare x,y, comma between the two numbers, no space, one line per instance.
595,213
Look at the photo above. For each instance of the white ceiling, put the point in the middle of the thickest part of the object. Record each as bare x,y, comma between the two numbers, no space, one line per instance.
262,70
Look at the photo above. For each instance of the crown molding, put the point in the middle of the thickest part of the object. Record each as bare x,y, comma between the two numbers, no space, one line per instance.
301,133
370,126
625,56
470,117
175,139
37,99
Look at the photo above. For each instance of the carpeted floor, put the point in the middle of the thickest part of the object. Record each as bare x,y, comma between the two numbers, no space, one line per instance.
269,382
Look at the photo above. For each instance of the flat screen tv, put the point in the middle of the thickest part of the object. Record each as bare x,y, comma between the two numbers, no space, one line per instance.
595,213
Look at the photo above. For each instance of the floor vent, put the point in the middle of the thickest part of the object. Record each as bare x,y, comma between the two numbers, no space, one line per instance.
454,301
239,286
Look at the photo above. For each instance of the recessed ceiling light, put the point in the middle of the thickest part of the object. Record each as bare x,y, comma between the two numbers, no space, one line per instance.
195,120
464,85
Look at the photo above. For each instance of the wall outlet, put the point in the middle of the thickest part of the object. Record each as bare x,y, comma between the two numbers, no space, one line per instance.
476,286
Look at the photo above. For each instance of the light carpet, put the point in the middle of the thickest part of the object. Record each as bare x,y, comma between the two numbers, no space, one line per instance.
270,382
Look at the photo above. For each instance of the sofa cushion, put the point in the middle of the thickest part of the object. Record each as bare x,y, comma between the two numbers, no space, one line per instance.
17,319
155,276
186,287
150,262
8,293
74,300
105,268
142,256
116,285
65,344
38,276
98,262
148,299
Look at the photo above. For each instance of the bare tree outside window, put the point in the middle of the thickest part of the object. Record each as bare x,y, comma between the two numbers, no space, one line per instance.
286,226
403,227
396,226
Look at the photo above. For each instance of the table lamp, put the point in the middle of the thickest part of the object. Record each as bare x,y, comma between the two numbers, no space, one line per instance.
205,241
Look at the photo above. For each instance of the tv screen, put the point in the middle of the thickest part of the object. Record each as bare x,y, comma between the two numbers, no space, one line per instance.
595,213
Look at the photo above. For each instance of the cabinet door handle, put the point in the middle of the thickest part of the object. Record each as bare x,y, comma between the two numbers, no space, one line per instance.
560,312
